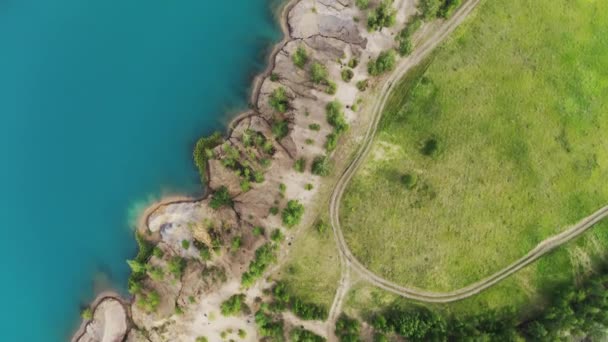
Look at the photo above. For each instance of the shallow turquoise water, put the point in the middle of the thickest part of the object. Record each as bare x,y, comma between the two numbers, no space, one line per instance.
100,103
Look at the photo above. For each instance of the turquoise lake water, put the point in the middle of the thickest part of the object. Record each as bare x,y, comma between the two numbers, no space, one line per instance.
100,104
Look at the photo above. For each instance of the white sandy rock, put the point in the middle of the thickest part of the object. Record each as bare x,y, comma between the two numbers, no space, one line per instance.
109,323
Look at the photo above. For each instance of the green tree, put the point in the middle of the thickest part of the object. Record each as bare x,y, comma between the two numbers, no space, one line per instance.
382,16
221,197
430,8
347,74
321,166
292,214
300,57
300,165
278,100
362,4
302,335
264,256
87,314
280,128
318,73
335,116
233,305
176,266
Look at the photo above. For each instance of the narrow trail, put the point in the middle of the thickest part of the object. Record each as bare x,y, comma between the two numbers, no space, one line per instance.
349,261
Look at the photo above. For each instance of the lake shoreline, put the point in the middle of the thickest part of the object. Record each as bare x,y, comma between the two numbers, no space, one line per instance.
142,221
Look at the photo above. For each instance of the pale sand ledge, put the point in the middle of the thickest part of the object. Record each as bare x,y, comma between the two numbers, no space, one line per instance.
327,30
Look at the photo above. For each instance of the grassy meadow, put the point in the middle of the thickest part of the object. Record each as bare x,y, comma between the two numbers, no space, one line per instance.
496,142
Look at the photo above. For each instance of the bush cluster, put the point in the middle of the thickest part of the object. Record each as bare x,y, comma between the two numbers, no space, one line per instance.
300,57
233,305
347,329
438,8
268,327
292,213
264,256
321,166
303,335
385,62
382,16
278,100
404,38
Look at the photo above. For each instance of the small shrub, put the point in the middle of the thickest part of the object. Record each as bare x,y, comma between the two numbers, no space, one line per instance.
245,185
302,335
176,266
409,180
300,57
277,236
332,87
300,165
201,339
274,77
353,63
429,147
308,186
309,142
362,85
149,302
314,127
292,214
220,198
280,129
157,252
282,188
332,142
347,75
205,253
318,73
237,242
362,4
87,314
242,333
258,231
278,100
274,210
321,226
321,166
156,273
185,244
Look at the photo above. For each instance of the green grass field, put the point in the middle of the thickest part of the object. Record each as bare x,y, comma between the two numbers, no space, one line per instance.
525,292
312,268
495,143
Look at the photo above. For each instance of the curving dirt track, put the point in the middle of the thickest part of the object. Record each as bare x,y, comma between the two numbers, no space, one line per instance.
351,261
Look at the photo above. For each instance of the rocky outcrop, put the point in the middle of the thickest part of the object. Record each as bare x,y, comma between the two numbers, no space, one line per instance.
109,323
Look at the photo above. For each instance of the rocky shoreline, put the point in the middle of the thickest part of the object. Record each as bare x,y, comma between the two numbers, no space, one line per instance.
189,263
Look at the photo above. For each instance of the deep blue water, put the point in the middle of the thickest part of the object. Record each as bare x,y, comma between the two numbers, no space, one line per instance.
100,104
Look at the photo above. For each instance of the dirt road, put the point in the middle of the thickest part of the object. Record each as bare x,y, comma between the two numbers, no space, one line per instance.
350,260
